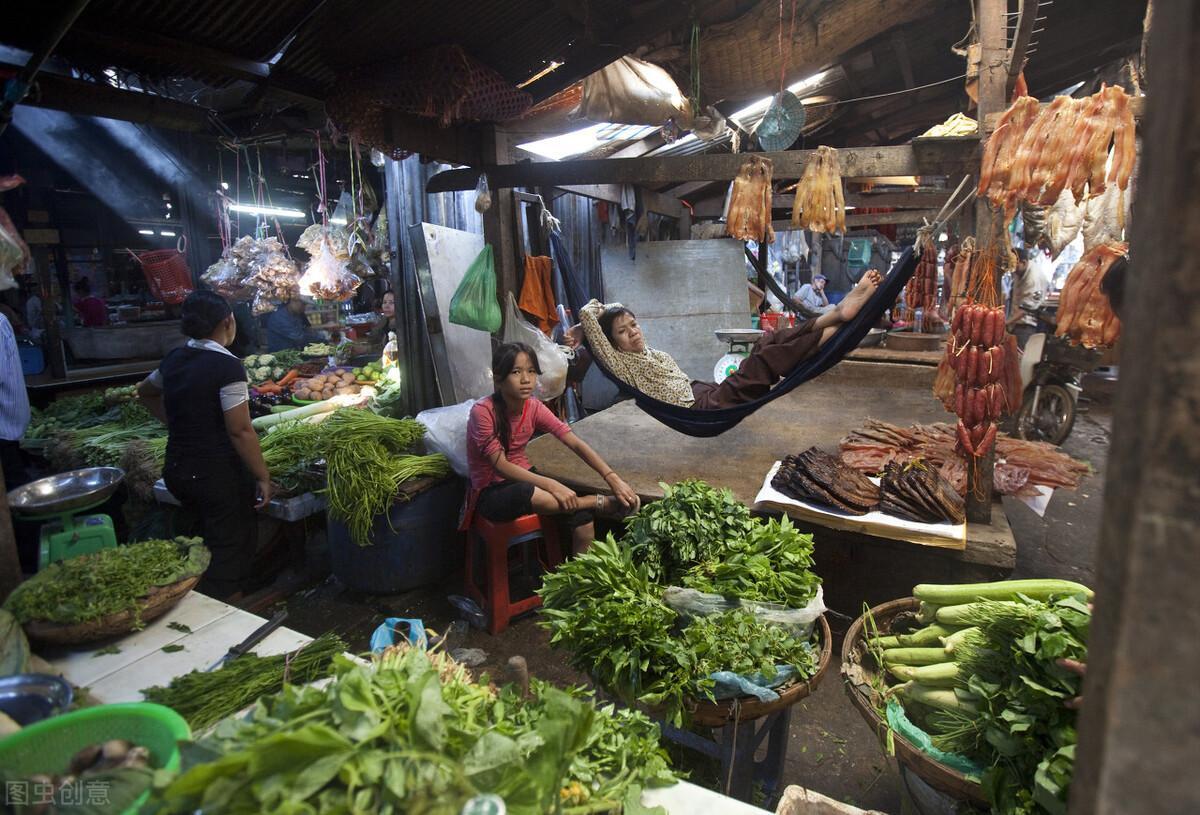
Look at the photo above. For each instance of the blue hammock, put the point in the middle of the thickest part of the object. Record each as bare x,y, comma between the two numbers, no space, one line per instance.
705,423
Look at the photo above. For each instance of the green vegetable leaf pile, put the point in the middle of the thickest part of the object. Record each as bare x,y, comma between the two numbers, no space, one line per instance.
89,587
412,733
693,522
771,563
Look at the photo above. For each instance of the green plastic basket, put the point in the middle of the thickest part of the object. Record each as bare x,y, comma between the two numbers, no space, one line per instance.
49,746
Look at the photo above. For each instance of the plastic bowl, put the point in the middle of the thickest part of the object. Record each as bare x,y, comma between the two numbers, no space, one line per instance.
49,746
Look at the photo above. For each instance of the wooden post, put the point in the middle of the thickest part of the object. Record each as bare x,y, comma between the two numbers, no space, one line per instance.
498,221
993,78
1138,734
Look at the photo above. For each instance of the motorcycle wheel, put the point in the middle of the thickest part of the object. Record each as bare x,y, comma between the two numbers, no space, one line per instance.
1055,419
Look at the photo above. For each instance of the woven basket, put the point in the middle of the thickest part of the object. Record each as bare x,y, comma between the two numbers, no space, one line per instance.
167,273
159,601
747,708
859,669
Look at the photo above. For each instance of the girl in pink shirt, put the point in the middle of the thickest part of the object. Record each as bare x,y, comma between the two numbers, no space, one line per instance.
503,484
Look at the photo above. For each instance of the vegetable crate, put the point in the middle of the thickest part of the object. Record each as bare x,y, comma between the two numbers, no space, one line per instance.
860,675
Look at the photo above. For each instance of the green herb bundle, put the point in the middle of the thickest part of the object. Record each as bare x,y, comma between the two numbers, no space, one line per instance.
1020,729
89,587
693,522
772,563
206,697
412,733
738,641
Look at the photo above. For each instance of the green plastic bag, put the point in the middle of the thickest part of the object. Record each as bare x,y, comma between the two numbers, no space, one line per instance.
474,303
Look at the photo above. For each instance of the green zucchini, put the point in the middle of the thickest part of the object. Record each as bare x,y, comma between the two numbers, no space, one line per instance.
955,641
957,594
940,698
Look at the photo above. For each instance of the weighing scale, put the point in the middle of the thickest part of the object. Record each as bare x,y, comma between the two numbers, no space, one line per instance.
58,500
740,340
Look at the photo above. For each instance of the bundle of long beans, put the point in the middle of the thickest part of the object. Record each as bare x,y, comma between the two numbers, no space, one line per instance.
206,697
367,458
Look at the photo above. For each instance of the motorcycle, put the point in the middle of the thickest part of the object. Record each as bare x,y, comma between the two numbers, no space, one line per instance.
1052,372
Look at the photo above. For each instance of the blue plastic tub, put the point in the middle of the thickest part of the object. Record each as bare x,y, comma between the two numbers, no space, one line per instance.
421,545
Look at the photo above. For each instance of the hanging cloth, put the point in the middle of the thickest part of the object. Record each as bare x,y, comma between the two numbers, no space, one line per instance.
706,423
537,293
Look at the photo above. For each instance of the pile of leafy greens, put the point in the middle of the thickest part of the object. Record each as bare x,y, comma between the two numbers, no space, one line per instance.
86,588
412,733
1022,729
606,606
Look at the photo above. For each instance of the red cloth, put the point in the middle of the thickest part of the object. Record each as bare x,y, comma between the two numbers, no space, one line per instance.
483,442
92,311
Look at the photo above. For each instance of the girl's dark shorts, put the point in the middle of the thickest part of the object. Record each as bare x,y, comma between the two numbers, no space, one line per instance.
509,500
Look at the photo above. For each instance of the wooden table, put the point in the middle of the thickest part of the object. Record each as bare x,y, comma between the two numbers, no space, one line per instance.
645,452
880,353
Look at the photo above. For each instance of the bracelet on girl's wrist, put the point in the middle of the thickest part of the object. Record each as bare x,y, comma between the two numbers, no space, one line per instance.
607,474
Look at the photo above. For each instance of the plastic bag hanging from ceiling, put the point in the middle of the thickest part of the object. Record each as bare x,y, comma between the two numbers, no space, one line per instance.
633,91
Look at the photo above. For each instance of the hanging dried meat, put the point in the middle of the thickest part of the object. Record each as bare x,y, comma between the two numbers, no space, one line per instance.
1084,313
921,290
821,478
1021,466
915,491
975,379
820,204
1036,153
749,216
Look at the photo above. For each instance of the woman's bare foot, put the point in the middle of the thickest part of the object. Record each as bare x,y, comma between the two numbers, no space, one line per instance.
853,302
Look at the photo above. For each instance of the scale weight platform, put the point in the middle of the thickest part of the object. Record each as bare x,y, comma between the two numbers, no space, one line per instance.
57,501
740,341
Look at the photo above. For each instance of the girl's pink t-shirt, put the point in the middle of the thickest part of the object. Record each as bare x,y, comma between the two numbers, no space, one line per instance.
483,442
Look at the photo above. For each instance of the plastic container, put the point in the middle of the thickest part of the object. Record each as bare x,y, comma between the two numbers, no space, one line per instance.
415,544
33,361
49,746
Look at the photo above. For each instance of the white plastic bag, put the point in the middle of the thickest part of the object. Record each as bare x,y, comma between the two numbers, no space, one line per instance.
551,358
799,621
446,433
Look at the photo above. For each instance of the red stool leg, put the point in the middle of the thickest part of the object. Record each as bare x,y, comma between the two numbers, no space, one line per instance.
552,542
499,610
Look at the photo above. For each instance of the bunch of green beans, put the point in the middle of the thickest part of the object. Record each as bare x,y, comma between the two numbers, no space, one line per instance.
205,698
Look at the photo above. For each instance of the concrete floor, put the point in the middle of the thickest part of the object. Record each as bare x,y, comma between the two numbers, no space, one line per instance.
831,750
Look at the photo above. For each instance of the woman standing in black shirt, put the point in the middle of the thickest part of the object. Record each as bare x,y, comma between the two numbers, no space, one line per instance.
214,465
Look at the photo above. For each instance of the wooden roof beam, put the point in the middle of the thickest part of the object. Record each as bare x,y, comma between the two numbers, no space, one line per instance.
923,157
185,55
93,99
855,220
1027,18
911,199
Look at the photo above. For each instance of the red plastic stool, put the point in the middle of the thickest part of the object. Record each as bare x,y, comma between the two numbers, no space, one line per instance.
497,538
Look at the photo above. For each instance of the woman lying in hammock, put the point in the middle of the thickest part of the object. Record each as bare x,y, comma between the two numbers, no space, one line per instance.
616,339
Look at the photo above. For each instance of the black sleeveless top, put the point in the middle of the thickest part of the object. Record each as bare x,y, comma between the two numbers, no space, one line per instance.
192,379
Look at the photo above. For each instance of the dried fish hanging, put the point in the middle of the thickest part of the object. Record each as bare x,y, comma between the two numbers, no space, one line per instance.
327,277
820,204
1036,153
750,202
1085,316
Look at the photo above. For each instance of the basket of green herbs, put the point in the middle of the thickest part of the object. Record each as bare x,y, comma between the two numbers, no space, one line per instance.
607,607
109,593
